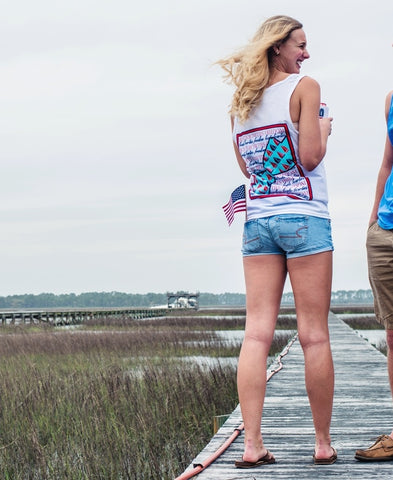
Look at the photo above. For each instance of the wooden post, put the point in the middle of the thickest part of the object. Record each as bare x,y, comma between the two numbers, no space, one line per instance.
218,421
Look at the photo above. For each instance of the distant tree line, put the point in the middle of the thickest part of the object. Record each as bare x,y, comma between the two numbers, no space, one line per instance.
341,297
120,299
83,300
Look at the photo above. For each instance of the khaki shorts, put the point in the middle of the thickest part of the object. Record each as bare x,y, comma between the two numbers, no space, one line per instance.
380,272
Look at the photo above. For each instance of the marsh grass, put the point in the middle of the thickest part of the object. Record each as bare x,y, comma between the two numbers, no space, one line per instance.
229,321
366,322
112,400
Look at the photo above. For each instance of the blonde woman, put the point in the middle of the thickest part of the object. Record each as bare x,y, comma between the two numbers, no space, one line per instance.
280,143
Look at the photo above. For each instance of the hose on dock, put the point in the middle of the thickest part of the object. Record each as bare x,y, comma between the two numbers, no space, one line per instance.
198,467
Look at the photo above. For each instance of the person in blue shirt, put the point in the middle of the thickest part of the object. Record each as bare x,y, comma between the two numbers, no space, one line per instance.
380,269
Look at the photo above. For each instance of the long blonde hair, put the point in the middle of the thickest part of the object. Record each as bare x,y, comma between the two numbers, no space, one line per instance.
249,68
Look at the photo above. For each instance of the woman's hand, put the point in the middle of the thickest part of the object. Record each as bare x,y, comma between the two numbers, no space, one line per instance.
326,126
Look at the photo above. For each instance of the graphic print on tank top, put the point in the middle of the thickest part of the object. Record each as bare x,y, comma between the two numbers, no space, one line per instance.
271,161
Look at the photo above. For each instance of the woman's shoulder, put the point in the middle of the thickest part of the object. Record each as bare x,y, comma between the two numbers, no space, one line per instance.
308,82
307,87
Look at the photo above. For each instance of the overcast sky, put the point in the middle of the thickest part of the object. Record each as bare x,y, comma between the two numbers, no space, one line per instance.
116,152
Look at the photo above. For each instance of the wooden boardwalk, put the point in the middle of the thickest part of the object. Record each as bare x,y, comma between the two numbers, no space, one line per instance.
362,411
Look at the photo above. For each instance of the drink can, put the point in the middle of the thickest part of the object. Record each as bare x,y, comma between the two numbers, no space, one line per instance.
323,110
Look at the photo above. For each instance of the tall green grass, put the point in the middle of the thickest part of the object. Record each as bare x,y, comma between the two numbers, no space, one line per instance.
68,419
110,401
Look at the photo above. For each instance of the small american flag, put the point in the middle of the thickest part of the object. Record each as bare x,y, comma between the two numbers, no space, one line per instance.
237,203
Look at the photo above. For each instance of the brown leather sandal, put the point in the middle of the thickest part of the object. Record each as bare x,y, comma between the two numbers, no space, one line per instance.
265,460
325,461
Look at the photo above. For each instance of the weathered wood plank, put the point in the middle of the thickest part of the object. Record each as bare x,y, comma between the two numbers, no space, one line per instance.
362,411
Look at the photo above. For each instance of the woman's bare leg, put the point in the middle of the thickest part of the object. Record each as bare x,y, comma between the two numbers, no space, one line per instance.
311,278
265,277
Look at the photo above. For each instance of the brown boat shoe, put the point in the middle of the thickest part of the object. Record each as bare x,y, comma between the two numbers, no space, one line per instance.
381,450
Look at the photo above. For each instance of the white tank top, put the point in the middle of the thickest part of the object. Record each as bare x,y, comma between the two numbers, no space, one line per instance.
268,141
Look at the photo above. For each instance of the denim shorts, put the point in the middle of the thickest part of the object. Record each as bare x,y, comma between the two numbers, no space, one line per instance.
288,235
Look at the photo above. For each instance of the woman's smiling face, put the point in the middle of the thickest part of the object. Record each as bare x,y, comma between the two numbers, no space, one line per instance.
292,52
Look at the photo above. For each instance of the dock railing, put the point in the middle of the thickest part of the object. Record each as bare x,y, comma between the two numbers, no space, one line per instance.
74,316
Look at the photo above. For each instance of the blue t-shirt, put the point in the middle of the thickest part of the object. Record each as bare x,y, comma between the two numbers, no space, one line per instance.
385,210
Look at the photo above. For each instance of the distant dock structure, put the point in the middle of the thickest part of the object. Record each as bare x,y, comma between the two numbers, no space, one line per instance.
75,316
183,300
